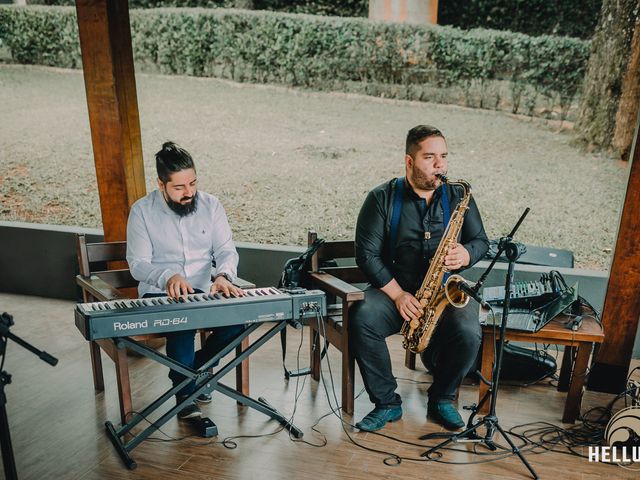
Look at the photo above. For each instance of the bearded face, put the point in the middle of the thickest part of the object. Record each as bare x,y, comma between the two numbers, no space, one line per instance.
428,161
423,180
186,205
181,192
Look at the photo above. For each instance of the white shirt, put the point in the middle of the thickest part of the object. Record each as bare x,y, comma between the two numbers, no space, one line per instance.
161,243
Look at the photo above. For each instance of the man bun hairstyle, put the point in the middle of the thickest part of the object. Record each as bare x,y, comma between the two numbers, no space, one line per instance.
171,159
418,134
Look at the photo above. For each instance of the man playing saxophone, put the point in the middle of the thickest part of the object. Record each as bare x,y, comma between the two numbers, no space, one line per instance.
397,235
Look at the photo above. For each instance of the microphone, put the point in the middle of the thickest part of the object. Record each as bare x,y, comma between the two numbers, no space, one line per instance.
465,288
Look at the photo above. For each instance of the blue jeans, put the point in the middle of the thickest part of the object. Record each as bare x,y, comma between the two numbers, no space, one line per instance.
180,347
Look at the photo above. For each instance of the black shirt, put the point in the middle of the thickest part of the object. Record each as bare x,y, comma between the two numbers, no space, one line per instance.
419,233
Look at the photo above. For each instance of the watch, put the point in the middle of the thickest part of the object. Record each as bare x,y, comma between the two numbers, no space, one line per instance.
225,275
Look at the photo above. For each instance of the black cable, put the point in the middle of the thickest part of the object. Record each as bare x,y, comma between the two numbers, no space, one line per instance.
581,299
229,442
169,437
297,396
393,459
548,437
539,437
4,354
336,411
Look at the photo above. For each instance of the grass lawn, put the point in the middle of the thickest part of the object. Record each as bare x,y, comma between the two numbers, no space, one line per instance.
283,161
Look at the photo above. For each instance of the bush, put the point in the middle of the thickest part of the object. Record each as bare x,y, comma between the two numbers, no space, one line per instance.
347,54
42,36
574,18
343,8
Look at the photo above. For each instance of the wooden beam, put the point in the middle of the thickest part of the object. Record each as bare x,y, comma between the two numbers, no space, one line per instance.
622,303
107,59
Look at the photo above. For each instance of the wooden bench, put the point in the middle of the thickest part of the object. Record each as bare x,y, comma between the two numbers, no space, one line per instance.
573,371
104,276
338,283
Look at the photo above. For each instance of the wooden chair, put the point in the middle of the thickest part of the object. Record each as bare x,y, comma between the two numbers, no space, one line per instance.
104,277
338,283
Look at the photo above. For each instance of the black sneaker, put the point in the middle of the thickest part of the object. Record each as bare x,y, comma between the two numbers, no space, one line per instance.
192,410
204,398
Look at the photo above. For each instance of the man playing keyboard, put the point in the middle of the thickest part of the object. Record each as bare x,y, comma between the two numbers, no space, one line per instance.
174,236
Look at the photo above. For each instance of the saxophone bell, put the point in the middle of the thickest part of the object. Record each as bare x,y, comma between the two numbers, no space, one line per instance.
456,296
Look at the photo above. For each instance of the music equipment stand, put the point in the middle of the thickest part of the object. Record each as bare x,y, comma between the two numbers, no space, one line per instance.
490,421
8,460
205,382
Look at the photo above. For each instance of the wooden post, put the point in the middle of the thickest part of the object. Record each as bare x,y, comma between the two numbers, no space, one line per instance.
406,11
622,303
107,59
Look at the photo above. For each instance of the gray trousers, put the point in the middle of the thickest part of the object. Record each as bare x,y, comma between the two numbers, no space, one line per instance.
451,353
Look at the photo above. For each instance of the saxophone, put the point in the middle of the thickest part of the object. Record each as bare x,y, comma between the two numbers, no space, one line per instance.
432,295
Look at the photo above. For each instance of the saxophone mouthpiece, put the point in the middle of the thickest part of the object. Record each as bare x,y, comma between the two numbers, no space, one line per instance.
442,177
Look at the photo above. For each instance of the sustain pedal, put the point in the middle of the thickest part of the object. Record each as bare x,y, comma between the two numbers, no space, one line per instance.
205,426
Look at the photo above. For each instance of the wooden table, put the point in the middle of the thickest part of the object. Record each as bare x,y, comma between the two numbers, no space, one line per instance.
572,373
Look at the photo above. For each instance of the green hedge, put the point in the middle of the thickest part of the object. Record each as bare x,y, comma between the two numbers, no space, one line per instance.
574,18
320,52
343,8
145,3
41,35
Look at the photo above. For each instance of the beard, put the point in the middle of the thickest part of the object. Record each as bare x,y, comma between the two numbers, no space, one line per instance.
183,209
423,181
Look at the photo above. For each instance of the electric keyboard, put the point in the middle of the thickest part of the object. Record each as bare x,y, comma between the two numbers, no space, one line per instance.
523,294
129,317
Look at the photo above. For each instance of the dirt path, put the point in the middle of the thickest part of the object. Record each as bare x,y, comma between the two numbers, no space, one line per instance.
283,161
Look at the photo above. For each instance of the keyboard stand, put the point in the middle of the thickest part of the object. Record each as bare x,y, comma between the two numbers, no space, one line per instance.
205,381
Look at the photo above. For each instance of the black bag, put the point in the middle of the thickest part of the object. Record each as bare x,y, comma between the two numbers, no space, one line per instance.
295,267
290,280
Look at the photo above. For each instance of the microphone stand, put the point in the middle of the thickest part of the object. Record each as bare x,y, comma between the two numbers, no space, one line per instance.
490,422
8,460
502,245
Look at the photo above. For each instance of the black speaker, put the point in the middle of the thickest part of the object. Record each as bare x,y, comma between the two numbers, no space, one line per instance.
525,365
519,364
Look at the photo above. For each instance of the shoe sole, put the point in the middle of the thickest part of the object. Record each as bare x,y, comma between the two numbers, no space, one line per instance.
191,415
204,402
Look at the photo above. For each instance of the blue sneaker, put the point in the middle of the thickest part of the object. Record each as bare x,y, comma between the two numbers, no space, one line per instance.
378,418
446,414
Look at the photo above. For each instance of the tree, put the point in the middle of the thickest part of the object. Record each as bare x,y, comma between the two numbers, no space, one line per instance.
610,96
248,4
629,101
